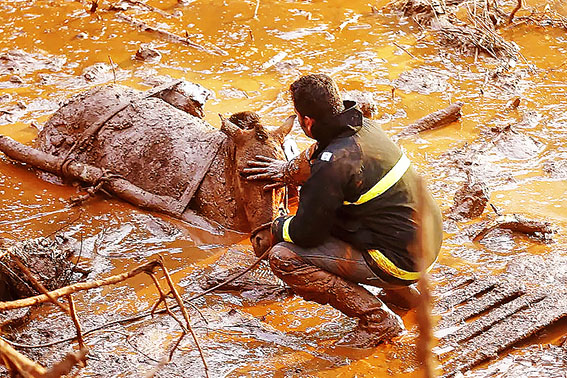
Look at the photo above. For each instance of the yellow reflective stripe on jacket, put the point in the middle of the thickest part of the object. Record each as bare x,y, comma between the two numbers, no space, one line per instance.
389,267
386,182
285,230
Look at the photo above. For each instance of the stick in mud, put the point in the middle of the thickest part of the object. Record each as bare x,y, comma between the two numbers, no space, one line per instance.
73,314
147,268
256,9
17,362
517,8
423,308
142,315
179,301
81,286
170,36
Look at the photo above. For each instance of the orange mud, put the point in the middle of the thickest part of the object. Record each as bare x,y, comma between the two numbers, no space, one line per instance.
345,39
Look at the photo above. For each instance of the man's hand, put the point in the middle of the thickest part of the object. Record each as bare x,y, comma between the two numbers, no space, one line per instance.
268,169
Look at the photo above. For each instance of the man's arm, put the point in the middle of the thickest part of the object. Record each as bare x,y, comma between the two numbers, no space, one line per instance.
279,172
320,198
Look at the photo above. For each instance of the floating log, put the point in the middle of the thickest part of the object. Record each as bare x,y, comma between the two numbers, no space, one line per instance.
517,223
434,120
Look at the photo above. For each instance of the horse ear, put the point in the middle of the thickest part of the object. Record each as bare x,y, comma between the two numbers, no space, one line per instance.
280,133
230,128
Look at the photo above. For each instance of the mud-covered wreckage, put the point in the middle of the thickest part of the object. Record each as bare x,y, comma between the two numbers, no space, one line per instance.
153,149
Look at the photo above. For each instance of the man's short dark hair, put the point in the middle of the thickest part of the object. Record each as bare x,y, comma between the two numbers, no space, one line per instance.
316,96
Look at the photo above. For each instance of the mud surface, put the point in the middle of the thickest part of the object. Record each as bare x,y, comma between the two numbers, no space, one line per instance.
258,284
63,49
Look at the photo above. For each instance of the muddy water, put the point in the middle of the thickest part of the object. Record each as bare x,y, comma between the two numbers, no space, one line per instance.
61,41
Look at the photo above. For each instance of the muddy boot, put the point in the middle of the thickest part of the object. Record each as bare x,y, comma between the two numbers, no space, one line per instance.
377,322
373,329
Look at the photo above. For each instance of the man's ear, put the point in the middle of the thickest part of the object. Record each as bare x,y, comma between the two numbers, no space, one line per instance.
308,122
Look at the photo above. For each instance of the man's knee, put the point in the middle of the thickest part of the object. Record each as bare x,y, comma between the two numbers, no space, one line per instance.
282,259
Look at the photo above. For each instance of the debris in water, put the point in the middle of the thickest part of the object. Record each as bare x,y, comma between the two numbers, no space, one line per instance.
147,53
434,120
518,223
470,200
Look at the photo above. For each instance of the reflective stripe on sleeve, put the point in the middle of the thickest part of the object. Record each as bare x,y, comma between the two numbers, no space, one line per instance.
285,230
392,177
389,267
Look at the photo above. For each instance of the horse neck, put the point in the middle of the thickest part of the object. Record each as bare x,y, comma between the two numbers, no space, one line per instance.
224,165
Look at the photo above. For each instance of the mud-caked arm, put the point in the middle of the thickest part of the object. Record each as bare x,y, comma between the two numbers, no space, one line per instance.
298,169
279,172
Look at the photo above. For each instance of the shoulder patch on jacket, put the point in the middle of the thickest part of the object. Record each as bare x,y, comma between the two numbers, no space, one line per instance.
326,156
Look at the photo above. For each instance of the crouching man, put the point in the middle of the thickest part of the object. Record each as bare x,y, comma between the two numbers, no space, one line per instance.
356,218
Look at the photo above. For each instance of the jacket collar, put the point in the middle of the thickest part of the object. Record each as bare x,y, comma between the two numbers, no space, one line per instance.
346,123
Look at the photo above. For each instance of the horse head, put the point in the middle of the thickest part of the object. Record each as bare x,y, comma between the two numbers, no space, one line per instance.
250,139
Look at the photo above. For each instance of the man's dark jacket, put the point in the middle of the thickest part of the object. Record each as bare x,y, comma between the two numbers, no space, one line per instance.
352,155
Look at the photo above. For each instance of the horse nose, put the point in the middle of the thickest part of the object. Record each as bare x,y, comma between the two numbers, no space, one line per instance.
261,242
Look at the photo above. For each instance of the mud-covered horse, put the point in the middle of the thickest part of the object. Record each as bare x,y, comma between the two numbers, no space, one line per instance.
169,152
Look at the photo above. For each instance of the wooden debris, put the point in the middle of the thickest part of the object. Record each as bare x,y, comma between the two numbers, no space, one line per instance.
517,223
187,327
94,6
546,17
170,36
17,363
13,361
517,8
496,295
434,120
73,314
38,284
31,264
477,33
508,332
470,200
256,9
488,315
500,312
461,295
81,286
274,60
